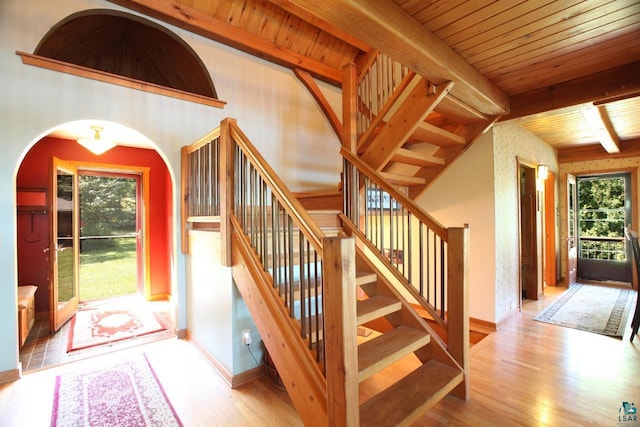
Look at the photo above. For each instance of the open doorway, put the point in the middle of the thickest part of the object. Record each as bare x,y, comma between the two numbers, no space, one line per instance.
153,239
529,229
110,237
604,210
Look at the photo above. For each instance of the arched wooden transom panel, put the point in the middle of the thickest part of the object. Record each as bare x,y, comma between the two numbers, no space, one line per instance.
129,46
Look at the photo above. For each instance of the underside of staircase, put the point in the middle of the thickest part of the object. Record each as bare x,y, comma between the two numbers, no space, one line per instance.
419,132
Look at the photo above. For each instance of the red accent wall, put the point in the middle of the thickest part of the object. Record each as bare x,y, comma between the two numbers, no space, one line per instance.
34,173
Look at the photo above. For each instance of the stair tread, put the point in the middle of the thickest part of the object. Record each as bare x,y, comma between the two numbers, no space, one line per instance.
388,348
375,307
403,179
411,396
415,158
365,277
432,134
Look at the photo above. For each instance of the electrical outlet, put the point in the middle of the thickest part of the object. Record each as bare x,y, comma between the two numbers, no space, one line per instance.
246,336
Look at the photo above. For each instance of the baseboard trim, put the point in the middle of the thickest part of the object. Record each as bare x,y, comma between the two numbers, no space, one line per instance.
246,376
233,381
479,325
508,318
11,375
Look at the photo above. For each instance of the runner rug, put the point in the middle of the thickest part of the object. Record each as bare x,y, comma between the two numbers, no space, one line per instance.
598,309
125,394
106,324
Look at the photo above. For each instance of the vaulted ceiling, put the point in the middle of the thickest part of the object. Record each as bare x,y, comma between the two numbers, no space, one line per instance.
538,62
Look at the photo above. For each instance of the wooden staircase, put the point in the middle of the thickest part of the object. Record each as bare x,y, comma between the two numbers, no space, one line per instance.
420,130
308,318
398,333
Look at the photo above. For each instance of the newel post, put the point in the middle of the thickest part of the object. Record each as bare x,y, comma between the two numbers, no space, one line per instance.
226,189
458,303
339,305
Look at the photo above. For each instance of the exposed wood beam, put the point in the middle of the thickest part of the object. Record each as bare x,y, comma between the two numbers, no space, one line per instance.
611,85
311,18
207,26
598,121
630,148
387,28
312,86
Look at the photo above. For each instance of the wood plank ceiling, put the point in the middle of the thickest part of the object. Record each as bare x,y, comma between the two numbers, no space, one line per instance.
537,62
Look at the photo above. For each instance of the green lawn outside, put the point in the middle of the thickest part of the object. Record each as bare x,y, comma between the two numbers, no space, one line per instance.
107,268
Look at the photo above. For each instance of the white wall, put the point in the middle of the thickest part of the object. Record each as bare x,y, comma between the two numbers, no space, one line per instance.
463,194
271,106
481,189
511,143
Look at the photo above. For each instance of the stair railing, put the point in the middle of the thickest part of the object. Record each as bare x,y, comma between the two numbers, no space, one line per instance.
200,190
291,250
409,242
286,240
377,87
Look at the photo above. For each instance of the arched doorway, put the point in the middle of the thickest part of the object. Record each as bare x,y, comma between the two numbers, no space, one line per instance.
134,156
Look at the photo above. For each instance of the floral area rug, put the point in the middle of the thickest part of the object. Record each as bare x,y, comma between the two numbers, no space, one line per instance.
104,324
125,394
598,309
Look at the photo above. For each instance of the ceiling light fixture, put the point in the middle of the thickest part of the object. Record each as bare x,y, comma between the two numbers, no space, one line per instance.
601,127
97,145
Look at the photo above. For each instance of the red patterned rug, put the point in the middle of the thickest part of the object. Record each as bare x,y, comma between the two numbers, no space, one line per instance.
105,324
124,394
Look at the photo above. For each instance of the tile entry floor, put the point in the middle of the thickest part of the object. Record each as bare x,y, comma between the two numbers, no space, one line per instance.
43,349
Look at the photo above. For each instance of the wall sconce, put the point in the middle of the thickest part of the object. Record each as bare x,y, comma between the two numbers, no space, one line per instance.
96,145
543,172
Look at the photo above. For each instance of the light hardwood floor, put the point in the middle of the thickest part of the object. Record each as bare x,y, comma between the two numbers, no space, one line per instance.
528,373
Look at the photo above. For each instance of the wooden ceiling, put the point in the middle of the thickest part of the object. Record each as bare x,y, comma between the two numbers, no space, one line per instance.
538,62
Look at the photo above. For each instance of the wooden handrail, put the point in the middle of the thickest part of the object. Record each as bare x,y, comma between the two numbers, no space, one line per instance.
408,204
291,205
204,140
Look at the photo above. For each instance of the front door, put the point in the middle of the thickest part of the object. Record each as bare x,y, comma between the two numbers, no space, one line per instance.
572,230
64,247
604,209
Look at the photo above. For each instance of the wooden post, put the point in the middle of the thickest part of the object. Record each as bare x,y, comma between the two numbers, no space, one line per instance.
458,304
226,189
339,281
184,198
349,97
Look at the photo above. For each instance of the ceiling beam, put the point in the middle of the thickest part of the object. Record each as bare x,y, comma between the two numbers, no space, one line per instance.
582,153
323,25
207,26
387,28
599,88
600,124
